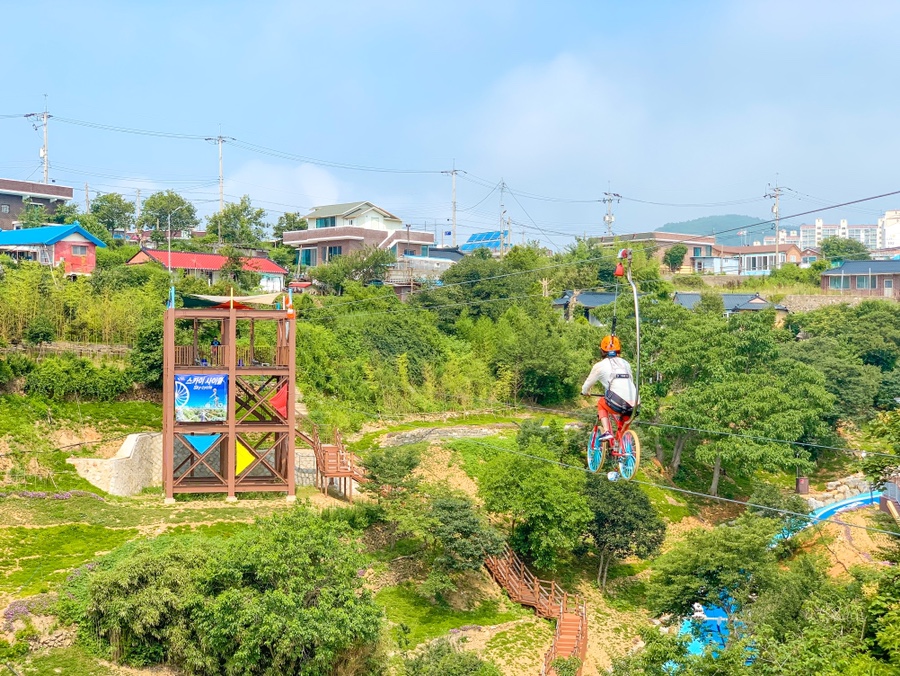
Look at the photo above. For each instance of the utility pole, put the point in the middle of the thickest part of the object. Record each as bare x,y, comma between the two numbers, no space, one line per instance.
45,152
220,141
502,215
775,193
609,219
453,173
87,199
137,205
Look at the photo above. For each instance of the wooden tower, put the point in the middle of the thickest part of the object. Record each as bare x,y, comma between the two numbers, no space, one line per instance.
228,408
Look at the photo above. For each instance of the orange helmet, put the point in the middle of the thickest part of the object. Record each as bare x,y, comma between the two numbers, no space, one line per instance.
610,344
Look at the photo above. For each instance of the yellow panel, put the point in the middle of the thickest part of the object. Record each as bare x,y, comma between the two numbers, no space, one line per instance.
243,460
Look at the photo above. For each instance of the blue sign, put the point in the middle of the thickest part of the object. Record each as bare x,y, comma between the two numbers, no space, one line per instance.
201,398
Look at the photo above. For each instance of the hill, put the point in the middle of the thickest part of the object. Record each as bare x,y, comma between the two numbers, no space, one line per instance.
727,224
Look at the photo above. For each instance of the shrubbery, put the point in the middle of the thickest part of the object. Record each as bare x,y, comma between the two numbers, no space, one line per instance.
66,376
283,597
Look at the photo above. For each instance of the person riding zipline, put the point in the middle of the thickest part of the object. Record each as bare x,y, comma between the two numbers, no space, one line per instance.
614,374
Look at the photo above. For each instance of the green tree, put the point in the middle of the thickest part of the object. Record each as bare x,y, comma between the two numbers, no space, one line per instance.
113,211
239,224
285,256
846,249
624,522
725,566
146,357
40,330
283,596
235,272
389,472
33,215
458,540
288,222
547,510
674,256
160,205
443,658
711,302
364,265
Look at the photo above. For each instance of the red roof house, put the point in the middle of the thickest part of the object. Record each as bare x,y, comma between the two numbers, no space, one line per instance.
208,266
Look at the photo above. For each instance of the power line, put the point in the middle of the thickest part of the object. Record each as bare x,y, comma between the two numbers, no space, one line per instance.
685,491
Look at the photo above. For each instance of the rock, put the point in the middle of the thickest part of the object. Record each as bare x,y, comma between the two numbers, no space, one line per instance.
831,485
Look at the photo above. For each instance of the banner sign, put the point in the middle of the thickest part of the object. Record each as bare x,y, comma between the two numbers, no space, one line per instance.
201,398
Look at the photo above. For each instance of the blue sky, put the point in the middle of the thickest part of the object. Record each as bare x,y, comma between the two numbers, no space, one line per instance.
677,102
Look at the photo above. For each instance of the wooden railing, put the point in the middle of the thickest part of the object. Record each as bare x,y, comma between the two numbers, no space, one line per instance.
247,357
547,598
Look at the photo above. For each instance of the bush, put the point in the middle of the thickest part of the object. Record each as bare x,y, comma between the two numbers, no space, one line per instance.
40,330
282,597
689,281
62,377
443,658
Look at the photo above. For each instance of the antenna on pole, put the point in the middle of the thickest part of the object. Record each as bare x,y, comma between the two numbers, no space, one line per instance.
502,214
775,193
453,172
609,219
220,141
45,149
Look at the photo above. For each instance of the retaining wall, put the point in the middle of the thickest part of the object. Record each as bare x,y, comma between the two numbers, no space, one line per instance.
138,465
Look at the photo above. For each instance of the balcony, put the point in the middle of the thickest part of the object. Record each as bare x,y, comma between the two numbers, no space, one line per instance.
248,357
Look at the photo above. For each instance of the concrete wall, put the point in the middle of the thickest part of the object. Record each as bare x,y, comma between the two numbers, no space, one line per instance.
137,465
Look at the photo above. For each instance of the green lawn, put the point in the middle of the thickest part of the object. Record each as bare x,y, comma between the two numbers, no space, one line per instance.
73,660
427,620
33,560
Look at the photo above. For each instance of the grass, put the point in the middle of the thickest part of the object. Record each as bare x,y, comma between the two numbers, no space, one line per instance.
35,559
473,454
521,641
72,660
428,620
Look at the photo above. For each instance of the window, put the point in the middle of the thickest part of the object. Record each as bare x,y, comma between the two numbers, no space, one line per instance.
330,252
327,222
888,284
809,259
409,252
425,250
4,208
698,251
79,250
308,257
866,282
838,282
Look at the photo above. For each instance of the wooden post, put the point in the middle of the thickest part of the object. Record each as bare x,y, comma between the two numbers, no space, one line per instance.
168,440
230,341
290,338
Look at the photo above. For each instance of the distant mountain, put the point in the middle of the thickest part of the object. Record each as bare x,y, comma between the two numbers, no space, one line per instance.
724,228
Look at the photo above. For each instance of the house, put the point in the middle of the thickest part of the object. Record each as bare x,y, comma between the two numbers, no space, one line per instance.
809,255
657,242
733,302
755,260
570,301
338,229
864,278
14,193
208,266
70,246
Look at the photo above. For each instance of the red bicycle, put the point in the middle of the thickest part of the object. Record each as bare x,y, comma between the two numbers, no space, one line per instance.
624,447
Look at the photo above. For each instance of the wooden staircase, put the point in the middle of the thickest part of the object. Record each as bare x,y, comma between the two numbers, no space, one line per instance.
334,463
548,600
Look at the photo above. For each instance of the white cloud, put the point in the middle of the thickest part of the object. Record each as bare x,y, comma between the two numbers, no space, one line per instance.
281,188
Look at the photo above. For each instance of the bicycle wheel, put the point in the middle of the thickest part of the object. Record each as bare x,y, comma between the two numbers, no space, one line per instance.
596,450
631,455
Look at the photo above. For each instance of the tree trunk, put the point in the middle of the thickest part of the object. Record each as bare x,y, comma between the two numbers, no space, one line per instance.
717,469
605,571
600,569
660,452
680,441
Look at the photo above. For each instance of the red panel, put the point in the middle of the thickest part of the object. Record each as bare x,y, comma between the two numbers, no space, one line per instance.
62,251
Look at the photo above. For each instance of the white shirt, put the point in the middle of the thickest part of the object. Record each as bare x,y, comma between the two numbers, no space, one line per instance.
614,374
